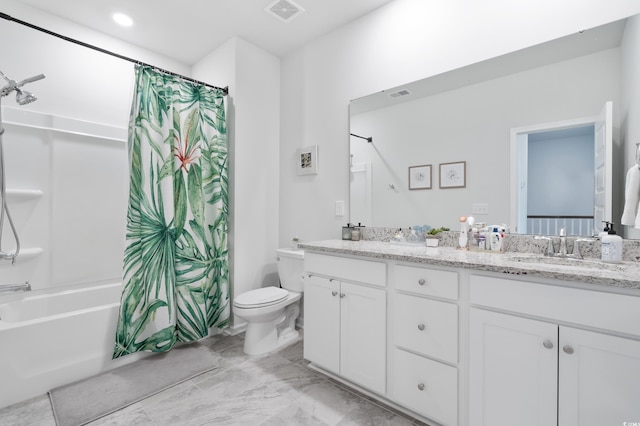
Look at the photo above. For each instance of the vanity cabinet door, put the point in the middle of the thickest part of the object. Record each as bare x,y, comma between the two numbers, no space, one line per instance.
322,322
513,370
599,382
363,335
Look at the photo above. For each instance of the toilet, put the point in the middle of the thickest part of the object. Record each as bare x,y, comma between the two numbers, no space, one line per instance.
271,312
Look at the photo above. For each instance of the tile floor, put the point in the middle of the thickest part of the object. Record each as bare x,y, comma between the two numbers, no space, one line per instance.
276,389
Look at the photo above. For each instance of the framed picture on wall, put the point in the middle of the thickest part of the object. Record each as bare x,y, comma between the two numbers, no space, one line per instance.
307,160
453,175
420,177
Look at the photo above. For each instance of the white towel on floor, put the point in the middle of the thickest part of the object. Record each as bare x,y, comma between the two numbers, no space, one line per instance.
631,214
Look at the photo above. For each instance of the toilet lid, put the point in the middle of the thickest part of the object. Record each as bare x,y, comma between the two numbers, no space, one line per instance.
261,297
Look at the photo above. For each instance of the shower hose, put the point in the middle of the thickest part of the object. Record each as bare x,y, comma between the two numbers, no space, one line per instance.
4,209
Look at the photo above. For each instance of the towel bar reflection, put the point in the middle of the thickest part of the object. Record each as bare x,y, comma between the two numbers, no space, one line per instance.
13,288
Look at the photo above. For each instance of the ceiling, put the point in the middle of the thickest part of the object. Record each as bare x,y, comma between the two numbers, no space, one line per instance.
187,30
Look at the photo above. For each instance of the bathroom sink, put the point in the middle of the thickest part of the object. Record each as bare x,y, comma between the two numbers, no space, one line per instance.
571,262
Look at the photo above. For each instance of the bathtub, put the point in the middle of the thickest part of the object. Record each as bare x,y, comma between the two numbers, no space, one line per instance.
49,340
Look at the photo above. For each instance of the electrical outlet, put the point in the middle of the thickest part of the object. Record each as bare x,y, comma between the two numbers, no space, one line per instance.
479,208
339,208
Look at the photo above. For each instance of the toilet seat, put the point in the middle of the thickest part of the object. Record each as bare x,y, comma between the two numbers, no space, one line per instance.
260,297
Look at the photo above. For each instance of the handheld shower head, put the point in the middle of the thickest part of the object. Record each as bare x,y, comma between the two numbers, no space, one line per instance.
23,97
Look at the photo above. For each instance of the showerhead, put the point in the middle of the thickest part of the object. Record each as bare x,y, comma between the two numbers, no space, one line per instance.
23,97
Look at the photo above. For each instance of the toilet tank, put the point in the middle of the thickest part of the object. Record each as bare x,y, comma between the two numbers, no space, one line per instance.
290,268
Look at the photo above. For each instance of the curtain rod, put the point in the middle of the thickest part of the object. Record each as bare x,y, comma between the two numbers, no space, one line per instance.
225,90
369,139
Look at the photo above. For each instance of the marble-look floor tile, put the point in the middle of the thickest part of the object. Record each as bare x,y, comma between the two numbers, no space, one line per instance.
271,389
231,382
133,415
367,413
33,412
288,378
328,402
230,348
294,415
293,353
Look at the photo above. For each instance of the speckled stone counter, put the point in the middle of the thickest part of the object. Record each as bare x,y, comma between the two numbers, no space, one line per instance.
624,275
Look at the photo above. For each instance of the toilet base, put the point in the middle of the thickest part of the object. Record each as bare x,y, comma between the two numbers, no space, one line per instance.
262,337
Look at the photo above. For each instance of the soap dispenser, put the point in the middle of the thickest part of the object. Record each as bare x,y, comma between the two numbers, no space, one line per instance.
611,246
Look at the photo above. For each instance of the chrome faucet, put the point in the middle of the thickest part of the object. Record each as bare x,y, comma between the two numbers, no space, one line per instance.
549,240
563,243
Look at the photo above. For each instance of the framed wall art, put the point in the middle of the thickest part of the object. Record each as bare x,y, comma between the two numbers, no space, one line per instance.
307,160
420,177
453,175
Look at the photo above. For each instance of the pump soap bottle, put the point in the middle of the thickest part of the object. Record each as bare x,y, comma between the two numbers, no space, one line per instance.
611,246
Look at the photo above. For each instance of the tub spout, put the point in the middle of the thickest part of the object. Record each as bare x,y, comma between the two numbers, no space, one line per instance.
12,288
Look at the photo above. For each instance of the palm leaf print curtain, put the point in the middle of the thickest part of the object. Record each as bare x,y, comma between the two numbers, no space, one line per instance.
176,280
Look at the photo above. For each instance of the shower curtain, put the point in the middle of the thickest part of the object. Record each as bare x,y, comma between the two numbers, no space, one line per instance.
176,277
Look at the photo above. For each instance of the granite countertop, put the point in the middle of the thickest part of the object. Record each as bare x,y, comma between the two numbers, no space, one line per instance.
590,271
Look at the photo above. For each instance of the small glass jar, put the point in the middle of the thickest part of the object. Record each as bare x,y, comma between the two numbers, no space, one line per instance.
346,232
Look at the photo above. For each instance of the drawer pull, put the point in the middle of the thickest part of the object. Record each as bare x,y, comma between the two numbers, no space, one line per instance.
421,386
548,344
341,295
567,349
334,293
421,281
420,327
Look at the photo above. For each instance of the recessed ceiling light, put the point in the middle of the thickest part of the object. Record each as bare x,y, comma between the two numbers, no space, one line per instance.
122,19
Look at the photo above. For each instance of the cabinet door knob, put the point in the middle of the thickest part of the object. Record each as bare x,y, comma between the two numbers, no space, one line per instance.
341,295
333,293
421,386
421,281
567,349
420,327
548,344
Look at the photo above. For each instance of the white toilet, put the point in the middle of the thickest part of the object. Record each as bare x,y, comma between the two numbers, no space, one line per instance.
271,312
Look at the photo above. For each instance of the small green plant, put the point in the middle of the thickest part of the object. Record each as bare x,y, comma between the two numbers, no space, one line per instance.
436,231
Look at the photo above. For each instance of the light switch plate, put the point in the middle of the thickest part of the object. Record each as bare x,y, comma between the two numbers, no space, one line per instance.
479,208
340,208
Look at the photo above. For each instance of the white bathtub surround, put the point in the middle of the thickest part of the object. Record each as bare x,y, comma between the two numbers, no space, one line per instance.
50,340
176,272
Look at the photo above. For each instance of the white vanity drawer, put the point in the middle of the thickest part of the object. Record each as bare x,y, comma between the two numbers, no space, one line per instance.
426,326
426,387
608,311
346,268
429,282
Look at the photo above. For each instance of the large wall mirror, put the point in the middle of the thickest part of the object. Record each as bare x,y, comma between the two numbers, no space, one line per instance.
518,132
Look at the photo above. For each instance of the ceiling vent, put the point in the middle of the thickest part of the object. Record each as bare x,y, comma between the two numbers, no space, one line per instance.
285,10
399,93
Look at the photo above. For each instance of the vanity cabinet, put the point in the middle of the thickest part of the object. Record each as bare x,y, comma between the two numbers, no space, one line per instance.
551,370
425,335
345,322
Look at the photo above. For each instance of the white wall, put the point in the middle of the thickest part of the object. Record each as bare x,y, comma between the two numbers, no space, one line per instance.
254,110
404,41
630,130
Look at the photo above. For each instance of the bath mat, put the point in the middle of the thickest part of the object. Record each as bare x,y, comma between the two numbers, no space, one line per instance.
81,402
